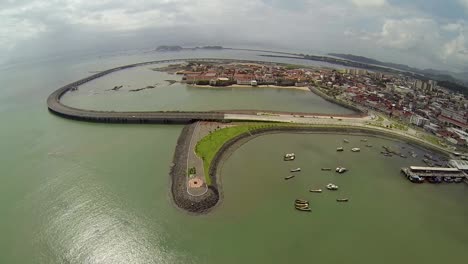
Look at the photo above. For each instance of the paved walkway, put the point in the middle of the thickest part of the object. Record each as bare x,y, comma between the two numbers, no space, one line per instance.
196,183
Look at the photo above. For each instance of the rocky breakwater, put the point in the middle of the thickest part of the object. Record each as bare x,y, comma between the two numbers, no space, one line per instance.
178,175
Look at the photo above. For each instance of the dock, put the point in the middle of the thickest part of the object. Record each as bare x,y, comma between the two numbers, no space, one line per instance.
425,172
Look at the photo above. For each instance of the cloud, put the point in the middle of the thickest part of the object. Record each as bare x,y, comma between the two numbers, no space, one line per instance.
408,33
394,30
464,3
369,3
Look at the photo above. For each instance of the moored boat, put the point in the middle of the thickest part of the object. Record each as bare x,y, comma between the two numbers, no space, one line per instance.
296,170
289,177
448,179
342,200
339,149
458,180
304,209
301,201
415,178
345,141
316,191
341,169
326,169
332,187
355,149
289,156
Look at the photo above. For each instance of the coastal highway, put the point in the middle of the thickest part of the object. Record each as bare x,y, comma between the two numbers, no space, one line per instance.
166,117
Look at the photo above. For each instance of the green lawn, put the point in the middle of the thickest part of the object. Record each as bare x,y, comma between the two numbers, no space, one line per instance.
208,146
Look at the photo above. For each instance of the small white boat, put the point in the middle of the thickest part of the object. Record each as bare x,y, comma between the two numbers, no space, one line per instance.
340,149
296,170
345,141
289,157
341,169
332,187
355,149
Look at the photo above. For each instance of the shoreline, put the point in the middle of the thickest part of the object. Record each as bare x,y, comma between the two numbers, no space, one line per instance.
299,88
213,198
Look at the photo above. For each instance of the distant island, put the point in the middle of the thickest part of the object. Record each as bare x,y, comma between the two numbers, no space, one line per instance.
169,48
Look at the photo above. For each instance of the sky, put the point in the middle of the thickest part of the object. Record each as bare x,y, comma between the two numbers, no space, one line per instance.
421,33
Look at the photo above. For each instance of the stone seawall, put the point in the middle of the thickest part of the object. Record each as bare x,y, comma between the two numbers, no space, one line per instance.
178,178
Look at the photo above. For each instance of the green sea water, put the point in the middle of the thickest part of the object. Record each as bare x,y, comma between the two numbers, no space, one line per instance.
75,192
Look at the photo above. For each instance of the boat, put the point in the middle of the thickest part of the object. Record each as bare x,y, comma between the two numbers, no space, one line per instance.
403,156
342,200
458,180
369,145
305,209
448,179
355,149
326,169
364,140
296,170
415,178
345,141
289,156
428,156
332,187
434,179
340,149
301,201
316,191
289,177
341,169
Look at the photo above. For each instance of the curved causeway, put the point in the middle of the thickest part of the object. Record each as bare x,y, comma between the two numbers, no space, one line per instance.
178,174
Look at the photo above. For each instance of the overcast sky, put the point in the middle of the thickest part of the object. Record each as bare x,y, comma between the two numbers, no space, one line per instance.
423,33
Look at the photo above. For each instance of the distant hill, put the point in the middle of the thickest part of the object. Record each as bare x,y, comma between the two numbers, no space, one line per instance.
169,48
429,73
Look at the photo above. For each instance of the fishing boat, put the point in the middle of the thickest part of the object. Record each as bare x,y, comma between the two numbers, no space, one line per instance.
289,157
415,178
340,149
289,177
326,169
342,200
316,191
304,209
301,201
434,179
355,149
332,187
448,179
345,141
296,170
341,170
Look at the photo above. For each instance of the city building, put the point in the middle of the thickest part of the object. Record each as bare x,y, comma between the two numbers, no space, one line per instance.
418,120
